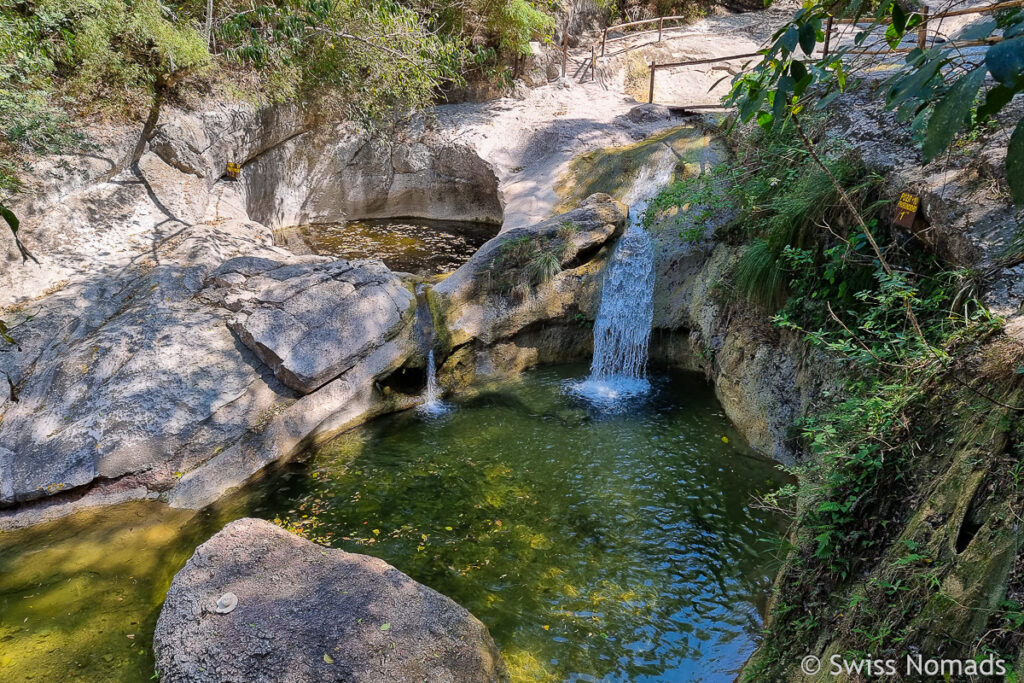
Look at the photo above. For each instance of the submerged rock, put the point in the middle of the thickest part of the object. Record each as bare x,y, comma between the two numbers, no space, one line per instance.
308,613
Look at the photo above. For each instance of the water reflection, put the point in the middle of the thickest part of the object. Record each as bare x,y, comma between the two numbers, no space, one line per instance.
594,546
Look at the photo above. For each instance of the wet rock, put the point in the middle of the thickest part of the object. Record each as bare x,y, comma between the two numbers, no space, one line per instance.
472,310
647,113
308,613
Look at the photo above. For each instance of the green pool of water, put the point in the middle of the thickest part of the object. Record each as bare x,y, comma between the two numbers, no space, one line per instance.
594,546
410,245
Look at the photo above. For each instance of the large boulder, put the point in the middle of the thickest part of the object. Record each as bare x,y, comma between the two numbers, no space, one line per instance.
309,613
467,306
138,382
311,321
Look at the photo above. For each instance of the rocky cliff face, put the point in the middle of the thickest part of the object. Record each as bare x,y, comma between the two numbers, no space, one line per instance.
193,352
765,378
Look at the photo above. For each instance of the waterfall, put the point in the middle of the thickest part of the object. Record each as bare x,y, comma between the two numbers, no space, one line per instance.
433,392
623,326
432,403
622,330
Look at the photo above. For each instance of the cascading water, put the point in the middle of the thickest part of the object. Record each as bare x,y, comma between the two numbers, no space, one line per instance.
432,403
623,326
622,330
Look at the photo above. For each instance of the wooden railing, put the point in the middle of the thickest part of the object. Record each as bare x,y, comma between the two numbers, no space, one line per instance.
922,40
660,21
694,62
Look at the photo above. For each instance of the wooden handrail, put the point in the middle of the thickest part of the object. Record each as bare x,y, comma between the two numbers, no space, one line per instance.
644,21
694,62
953,13
660,21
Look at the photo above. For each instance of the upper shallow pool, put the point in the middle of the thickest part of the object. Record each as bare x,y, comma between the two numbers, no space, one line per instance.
409,245
594,546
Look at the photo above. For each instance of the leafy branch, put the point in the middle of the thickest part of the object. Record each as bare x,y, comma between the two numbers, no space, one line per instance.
936,88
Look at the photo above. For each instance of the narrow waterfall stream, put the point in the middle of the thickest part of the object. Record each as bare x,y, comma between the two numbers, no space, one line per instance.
622,329
432,403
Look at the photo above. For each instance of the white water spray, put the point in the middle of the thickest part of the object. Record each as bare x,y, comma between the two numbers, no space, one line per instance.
432,403
622,330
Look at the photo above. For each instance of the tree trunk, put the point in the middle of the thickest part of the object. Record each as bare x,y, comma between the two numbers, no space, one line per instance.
209,22
151,120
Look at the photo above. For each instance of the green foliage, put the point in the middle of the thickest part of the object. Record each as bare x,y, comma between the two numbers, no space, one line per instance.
528,261
102,48
760,276
936,88
787,205
543,268
514,23
371,59
30,123
698,200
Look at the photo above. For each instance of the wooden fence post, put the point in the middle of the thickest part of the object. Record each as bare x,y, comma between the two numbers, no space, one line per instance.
922,29
593,62
604,39
565,45
654,69
828,36
661,25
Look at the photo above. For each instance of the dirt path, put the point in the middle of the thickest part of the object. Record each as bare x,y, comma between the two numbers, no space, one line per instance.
531,140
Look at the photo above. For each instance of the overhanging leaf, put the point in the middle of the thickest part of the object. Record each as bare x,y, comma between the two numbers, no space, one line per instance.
4,330
827,100
13,223
1015,164
950,112
808,37
790,38
995,99
899,18
893,36
10,218
1005,61
914,84
797,70
982,29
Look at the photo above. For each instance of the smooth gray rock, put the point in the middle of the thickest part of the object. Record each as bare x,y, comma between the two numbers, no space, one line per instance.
312,321
126,373
648,113
471,311
342,174
309,613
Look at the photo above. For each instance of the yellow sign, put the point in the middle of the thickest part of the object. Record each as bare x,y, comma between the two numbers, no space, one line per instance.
906,209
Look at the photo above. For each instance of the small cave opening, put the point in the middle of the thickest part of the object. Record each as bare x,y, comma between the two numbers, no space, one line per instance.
406,380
